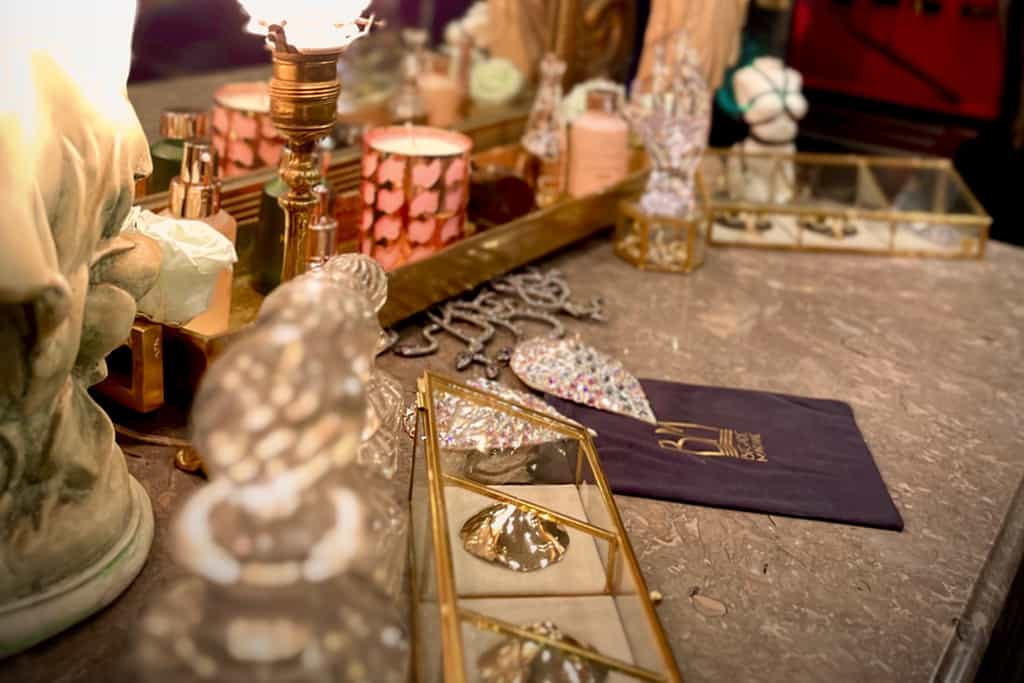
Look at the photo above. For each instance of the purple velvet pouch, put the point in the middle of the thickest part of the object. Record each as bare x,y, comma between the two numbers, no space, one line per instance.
745,450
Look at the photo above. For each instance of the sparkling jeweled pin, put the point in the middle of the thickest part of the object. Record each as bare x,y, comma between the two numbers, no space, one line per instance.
570,369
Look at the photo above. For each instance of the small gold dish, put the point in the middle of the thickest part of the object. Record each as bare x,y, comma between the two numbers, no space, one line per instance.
515,660
514,538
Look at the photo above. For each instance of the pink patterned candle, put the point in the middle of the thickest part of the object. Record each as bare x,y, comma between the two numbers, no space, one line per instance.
243,133
415,189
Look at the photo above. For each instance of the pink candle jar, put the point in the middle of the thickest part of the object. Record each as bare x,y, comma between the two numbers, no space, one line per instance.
243,133
415,189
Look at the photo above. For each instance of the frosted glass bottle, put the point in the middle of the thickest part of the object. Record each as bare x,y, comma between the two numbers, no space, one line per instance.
598,145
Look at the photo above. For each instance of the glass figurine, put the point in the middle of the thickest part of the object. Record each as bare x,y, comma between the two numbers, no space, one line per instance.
672,114
408,105
545,137
385,400
294,549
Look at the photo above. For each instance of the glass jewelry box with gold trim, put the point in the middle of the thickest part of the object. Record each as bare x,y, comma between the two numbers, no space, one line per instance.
521,566
893,206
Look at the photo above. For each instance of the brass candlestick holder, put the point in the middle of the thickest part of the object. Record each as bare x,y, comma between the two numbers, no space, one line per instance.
304,93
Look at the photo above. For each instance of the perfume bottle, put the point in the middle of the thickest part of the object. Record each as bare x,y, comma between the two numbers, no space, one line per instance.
444,85
408,106
598,145
195,195
545,134
267,249
176,126
323,231
441,98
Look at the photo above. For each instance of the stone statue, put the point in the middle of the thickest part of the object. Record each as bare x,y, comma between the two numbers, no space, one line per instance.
75,528
770,94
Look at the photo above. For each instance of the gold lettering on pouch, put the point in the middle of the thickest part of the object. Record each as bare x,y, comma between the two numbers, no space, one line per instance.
711,442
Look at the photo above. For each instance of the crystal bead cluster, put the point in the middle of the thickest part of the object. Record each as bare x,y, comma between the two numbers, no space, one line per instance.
466,425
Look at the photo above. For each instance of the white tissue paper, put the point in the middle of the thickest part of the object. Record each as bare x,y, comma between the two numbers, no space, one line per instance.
194,254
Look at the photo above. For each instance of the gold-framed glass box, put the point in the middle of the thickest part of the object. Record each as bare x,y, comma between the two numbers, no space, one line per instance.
664,243
894,206
520,562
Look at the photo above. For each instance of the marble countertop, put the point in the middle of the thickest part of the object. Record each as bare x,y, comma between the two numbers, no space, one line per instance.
928,354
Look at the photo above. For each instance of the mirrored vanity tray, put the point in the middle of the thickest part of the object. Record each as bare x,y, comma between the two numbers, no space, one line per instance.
893,206
414,287
521,566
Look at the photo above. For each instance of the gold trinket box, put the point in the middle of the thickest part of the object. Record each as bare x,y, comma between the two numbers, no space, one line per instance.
581,613
664,243
889,206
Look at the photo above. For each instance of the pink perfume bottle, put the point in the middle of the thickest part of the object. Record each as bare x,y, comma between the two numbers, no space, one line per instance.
598,145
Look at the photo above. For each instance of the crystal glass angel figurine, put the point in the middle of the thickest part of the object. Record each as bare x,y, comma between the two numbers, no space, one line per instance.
296,551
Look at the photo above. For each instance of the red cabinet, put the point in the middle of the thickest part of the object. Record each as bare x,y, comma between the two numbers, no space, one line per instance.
941,55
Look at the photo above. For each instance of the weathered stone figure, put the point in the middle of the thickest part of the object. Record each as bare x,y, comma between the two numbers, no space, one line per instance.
75,528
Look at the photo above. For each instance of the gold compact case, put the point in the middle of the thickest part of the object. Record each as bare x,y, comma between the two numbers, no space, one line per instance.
184,123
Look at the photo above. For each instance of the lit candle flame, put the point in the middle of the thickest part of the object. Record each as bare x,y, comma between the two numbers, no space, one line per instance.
309,25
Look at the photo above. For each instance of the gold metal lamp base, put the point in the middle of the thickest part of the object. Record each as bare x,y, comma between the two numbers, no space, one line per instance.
304,93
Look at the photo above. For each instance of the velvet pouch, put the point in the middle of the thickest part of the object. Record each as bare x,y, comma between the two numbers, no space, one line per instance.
745,450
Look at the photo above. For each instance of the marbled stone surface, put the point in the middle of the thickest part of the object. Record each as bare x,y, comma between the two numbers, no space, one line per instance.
928,354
